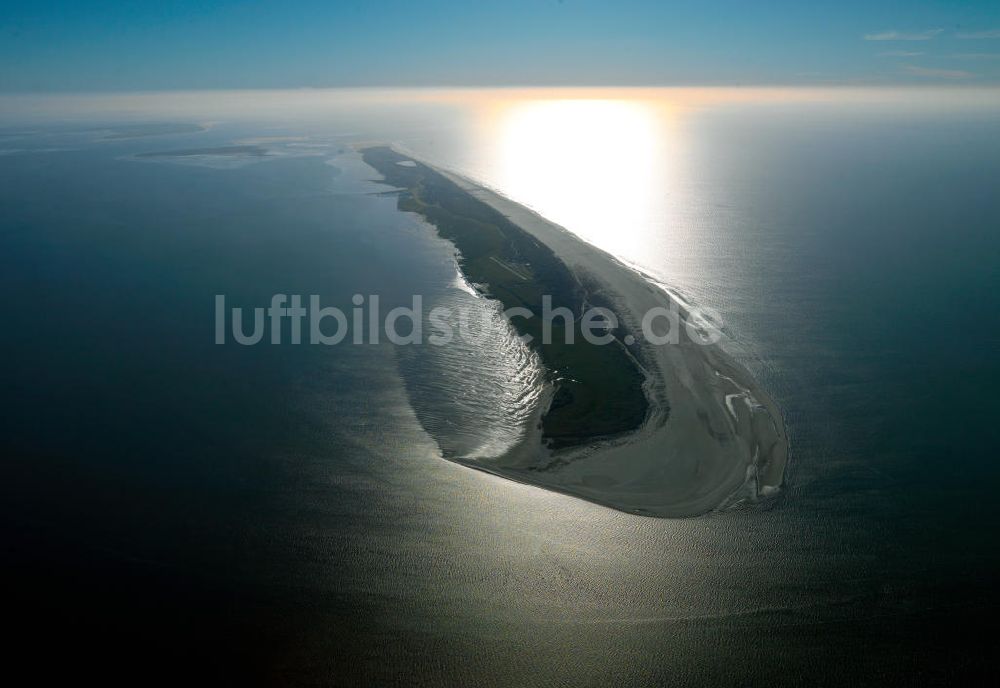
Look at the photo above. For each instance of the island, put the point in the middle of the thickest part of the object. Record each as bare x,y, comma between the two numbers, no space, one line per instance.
136,131
250,150
666,430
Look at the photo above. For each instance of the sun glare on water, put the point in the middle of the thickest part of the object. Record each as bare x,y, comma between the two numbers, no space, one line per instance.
595,165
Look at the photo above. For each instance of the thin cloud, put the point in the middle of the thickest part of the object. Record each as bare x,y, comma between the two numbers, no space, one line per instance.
977,35
903,35
975,56
899,53
929,73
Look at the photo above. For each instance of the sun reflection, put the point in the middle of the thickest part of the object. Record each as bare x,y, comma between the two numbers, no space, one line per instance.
598,166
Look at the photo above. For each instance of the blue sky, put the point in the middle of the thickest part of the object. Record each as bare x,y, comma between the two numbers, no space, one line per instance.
142,45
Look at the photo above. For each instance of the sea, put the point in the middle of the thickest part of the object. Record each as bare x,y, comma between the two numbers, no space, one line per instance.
175,509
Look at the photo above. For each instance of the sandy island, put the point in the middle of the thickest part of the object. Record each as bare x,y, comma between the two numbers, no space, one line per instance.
712,437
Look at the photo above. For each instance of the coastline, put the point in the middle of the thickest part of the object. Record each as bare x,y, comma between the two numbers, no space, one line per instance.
712,437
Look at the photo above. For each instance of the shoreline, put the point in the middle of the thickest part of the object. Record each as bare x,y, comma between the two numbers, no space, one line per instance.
712,438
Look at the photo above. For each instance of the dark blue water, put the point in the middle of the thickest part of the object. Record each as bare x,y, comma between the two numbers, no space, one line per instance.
277,514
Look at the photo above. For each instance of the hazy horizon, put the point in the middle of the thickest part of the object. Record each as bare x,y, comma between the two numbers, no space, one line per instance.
306,103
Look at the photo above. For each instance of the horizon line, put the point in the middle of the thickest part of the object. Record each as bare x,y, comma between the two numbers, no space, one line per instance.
948,85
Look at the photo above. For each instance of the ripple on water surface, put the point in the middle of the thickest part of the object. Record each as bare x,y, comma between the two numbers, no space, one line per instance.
476,394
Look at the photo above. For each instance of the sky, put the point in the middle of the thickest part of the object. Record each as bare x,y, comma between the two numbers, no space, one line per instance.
79,45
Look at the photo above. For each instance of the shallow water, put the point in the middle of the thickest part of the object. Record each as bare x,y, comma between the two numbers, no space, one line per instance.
284,512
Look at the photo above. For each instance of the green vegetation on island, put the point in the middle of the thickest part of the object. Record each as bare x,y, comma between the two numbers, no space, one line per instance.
598,389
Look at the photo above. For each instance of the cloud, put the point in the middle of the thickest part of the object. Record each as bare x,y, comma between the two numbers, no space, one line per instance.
903,35
976,35
899,53
976,56
930,73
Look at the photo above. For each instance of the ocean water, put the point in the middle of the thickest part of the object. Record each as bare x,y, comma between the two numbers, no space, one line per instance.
283,514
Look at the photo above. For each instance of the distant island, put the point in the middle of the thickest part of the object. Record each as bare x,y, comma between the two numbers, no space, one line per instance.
136,131
255,151
661,430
